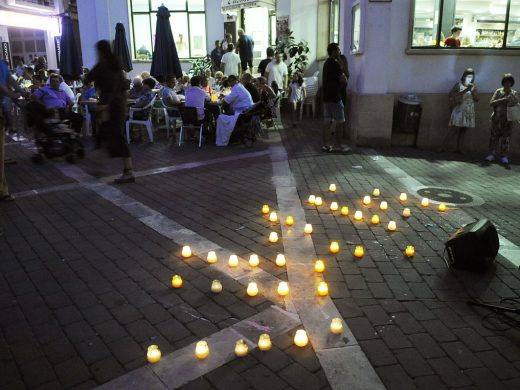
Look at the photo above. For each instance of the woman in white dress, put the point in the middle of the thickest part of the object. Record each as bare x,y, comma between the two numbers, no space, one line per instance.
462,99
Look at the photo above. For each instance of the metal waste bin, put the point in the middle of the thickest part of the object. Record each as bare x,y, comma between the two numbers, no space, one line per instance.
409,111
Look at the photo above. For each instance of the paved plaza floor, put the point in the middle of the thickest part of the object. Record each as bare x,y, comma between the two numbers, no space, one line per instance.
86,269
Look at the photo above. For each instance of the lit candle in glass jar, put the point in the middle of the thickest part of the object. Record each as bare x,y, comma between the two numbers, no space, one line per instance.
252,289
264,342
375,219
376,192
323,289
312,199
283,289
407,212
318,201
383,205
212,257
319,266
233,261
344,210
332,187
280,260
308,228
216,286
403,197
273,237
410,251
289,221
241,348
265,209
176,281
442,207
425,202
300,338
336,326
202,350
359,251
334,247
358,216
273,217
392,226
153,354
366,200
254,260
334,206
186,251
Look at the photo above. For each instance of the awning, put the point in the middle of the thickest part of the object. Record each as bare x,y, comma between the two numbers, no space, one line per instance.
234,5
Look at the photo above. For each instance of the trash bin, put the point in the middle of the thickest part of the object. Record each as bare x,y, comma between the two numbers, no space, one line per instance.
409,111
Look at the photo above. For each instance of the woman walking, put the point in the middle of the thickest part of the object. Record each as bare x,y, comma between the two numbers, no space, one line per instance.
109,79
501,127
462,98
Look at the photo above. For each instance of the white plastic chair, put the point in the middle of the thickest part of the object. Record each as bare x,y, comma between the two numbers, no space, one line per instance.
145,122
88,121
169,120
311,89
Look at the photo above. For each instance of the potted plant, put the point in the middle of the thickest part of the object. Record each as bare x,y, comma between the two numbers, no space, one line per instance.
200,65
296,52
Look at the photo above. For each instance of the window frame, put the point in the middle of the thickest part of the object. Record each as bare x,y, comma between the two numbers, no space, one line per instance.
150,12
437,49
328,14
356,5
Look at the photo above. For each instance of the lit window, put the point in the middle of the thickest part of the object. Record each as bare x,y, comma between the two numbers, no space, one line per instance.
187,20
355,44
466,24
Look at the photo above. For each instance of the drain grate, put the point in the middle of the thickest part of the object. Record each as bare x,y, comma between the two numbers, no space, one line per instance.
450,196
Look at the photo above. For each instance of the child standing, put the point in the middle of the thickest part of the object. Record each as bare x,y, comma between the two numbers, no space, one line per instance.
297,94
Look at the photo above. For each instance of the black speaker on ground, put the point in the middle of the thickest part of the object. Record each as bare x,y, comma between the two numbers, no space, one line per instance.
473,247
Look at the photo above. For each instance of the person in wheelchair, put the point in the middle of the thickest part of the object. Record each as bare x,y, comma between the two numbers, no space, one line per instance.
58,102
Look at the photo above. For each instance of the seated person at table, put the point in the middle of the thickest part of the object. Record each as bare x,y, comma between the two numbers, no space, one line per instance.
146,97
248,82
89,92
55,98
183,83
218,80
239,100
211,80
204,82
27,78
168,94
63,85
136,89
37,83
225,88
196,97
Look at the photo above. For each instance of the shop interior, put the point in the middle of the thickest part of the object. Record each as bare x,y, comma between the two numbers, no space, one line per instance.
483,22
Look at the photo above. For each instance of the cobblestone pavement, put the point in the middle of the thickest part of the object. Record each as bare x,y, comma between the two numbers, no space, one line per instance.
84,285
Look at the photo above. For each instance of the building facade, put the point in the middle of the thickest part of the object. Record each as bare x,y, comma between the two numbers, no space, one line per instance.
396,47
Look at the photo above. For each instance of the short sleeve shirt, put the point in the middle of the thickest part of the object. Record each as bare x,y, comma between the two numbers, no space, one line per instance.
331,86
231,61
276,72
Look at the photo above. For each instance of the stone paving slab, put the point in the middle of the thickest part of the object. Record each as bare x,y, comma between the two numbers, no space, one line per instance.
409,315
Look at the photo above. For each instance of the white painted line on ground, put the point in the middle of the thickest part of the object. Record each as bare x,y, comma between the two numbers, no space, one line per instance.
181,366
508,250
344,363
179,234
143,173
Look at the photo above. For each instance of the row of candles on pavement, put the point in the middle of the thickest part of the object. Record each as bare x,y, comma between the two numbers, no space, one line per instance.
242,349
264,342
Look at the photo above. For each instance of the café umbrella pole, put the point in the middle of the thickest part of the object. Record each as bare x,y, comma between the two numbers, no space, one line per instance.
165,60
121,48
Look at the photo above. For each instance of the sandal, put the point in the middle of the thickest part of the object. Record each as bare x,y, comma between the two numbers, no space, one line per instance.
127,177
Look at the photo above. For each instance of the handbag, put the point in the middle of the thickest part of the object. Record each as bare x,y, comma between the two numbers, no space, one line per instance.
513,113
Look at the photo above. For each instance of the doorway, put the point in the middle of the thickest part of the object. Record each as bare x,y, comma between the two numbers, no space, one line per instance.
258,23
